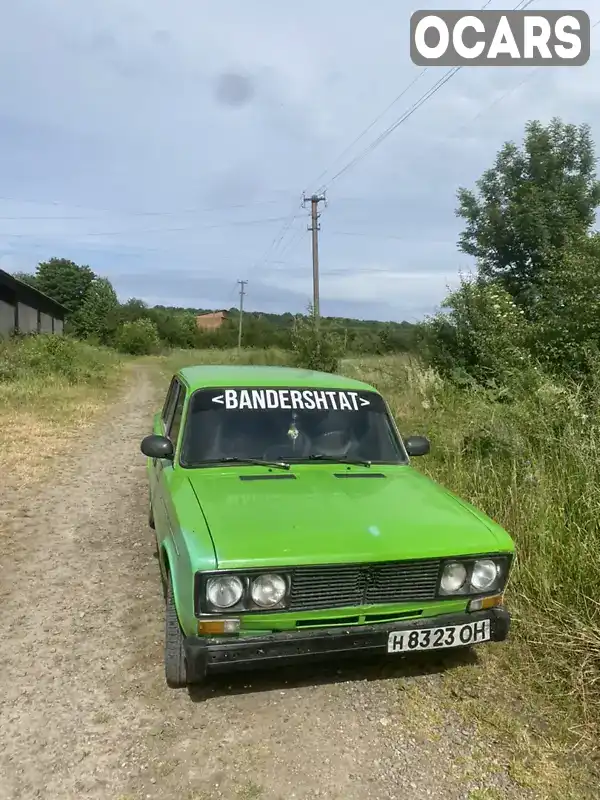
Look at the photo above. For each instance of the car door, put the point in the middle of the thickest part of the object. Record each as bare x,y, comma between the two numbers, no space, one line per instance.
165,469
158,464
165,416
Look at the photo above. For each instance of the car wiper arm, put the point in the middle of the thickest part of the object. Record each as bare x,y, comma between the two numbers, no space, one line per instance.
257,461
339,459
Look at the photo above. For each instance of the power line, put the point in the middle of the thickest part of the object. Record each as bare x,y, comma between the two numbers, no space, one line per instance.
477,116
502,97
278,238
384,135
287,225
119,213
378,271
374,235
138,251
407,114
291,244
423,99
383,113
376,120
239,223
233,290
293,216
533,71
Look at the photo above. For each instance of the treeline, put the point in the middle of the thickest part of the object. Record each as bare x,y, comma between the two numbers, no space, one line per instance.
95,314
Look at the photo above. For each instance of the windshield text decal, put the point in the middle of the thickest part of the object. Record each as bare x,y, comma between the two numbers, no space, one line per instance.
292,399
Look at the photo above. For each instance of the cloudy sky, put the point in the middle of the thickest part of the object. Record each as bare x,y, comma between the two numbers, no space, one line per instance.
168,144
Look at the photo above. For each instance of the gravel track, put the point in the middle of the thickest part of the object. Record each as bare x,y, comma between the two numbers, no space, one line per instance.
85,712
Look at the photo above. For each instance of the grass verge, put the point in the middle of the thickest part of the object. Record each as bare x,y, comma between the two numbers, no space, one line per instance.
533,465
51,387
177,359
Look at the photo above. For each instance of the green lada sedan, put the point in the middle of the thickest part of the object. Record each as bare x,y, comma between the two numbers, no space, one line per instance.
291,526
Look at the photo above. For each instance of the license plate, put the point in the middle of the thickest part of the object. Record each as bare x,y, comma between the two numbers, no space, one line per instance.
438,638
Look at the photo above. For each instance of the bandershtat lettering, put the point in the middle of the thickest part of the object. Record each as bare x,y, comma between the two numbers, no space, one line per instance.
291,399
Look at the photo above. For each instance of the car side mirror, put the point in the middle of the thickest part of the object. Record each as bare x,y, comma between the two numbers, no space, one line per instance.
417,445
155,446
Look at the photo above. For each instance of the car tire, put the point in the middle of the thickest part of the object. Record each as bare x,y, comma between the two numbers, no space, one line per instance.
175,662
161,569
151,517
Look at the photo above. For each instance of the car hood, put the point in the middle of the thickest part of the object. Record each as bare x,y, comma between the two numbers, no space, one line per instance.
318,518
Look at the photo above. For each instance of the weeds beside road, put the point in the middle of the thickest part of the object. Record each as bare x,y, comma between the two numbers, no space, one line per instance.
533,465
50,387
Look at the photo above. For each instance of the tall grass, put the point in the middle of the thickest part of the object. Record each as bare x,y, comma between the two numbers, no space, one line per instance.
45,357
533,465
50,387
178,359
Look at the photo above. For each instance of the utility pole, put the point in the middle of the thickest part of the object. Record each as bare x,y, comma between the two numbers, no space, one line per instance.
315,228
242,284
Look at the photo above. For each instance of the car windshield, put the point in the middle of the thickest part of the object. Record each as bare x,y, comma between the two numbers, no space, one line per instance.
288,424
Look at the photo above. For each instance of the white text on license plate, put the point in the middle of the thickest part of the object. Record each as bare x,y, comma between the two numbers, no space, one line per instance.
438,638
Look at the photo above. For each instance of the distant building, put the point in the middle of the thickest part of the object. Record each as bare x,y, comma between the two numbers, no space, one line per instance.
212,320
27,310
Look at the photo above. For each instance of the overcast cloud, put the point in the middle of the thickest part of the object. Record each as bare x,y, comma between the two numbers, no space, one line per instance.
167,145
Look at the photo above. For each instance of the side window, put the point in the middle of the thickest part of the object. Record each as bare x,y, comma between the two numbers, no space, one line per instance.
170,402
175,424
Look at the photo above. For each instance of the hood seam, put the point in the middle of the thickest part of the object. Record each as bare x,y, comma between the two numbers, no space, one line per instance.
477,516
214,546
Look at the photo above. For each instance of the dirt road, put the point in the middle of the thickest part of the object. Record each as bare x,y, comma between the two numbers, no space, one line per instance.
85,712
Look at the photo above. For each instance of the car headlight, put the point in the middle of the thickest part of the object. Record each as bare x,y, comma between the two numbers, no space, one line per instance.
453,577
468,576
268,590
224,591
485,574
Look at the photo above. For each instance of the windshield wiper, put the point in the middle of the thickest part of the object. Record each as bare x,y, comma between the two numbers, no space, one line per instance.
339,459
257,461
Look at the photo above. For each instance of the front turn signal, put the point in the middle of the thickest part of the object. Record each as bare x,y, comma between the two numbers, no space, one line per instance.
483,603
217,627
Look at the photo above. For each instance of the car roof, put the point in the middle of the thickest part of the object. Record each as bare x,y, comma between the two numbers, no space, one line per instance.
222,375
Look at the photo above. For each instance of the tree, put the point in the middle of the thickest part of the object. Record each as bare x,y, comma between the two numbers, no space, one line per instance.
567,315
64,281
134,309
535,200
92,319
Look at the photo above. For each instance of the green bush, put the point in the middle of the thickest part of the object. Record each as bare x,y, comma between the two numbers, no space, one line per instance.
49,355
138,338
315,345
483,337
175,329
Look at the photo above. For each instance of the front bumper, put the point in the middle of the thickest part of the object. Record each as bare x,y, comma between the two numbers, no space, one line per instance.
227,654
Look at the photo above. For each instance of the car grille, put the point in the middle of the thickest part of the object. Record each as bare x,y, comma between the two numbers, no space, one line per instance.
337,586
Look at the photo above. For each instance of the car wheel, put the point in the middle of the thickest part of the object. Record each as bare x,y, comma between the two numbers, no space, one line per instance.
175,666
